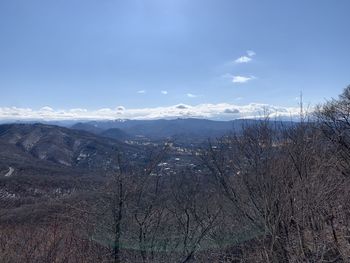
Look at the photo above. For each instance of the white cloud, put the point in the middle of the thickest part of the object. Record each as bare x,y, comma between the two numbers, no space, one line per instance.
242,79
46,108
231,111
141,92
120,108
190,95
164,92
182,106
251,53
77,110
246,59
243,59
221,111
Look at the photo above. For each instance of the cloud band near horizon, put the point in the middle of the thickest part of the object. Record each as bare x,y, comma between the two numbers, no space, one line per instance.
221,111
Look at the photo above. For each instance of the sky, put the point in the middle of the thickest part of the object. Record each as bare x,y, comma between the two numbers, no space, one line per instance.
221,59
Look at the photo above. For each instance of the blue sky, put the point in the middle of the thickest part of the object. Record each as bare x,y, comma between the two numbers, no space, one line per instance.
93,54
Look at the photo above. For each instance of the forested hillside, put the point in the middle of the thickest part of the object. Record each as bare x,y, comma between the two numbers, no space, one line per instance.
271,192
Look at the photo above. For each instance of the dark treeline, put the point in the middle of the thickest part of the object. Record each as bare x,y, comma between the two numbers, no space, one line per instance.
268,194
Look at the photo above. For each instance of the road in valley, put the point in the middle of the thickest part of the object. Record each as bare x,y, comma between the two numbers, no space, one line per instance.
10,172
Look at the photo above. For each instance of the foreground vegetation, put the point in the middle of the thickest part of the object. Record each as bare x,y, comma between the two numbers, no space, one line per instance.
271,193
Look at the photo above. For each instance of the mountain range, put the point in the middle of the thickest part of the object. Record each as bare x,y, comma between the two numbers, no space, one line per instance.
182,130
